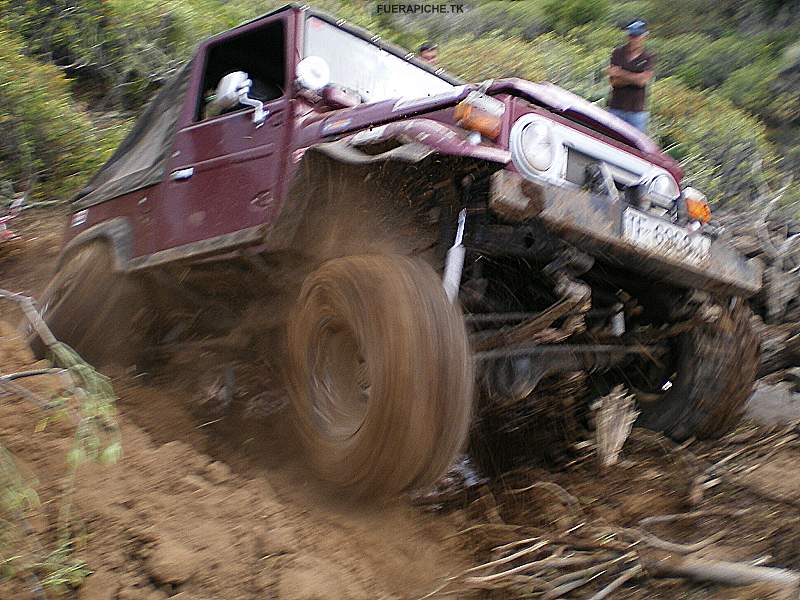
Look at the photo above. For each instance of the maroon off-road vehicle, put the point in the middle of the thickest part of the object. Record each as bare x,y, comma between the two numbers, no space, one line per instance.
450,257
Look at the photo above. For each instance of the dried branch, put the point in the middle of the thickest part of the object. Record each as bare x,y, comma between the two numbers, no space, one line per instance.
718,512
728,573
617,583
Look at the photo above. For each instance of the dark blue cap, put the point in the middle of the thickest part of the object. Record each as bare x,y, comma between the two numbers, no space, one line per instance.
637,27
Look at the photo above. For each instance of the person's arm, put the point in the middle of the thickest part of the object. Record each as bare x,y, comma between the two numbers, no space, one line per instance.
614,71
620,77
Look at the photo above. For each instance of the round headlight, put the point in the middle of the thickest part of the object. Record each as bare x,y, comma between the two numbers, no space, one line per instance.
537,145
664,185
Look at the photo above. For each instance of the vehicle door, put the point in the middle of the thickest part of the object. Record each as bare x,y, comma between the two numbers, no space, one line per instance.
224,169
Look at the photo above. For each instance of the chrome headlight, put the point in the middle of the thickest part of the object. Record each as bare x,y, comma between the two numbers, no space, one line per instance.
537,145
664,185
533,145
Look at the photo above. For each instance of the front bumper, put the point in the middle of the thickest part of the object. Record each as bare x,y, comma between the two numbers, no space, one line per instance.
593,223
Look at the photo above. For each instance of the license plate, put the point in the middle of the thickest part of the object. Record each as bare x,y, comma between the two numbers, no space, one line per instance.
658,236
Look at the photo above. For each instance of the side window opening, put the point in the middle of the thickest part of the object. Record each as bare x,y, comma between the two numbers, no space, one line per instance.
260,53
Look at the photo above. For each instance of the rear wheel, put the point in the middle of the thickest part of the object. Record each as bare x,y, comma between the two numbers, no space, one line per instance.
381,373
715,370
91,307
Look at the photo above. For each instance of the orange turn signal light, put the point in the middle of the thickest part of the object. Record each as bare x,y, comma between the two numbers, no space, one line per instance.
481,113
699,210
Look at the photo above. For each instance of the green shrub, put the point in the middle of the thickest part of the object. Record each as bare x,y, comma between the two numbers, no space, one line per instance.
517,18
46,141
710,65
595,37
622,13
563,15
673,52
717,143
750,87
492,55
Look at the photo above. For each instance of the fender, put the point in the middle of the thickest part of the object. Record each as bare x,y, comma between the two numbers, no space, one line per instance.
116,232
433,135
418,150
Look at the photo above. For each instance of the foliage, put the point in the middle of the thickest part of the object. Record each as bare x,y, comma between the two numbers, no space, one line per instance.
724,150
673,52
563,15
710,65
549,57
87,403
46,141
517,18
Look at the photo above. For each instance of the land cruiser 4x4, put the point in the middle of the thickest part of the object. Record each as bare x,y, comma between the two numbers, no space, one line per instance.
472,257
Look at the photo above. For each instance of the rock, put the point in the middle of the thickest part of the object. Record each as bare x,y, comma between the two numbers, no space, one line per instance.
194,482
171,562
218,472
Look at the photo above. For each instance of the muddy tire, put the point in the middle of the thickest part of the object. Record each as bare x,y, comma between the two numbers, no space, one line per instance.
381,374
91,307
716,369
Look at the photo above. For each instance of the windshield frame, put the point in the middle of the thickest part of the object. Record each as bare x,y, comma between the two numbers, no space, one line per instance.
375,40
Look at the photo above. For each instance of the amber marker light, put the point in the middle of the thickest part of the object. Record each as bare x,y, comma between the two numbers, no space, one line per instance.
697,207
481,113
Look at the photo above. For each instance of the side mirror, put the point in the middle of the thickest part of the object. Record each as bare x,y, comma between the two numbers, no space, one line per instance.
313,73
232,90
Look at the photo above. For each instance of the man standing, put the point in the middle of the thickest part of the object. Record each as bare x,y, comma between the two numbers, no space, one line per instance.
630,71
429,52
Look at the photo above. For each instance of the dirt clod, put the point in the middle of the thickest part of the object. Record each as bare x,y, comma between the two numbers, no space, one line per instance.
172,562
218,472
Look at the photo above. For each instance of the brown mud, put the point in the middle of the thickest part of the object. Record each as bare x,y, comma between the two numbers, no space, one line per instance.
212,498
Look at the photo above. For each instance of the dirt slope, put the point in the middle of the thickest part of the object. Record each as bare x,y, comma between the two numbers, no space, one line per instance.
208,503
211,500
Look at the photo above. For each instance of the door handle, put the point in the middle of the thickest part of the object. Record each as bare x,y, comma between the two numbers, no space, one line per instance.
181,174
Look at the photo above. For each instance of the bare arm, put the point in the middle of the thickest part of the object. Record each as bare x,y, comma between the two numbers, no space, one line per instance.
620,77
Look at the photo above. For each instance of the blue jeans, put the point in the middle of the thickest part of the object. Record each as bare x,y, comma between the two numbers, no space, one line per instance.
636,118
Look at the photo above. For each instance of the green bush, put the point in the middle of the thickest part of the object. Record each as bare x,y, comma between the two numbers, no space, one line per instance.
750,87
492,55
673,52
563,15
517,18
46,142
622,13
717,143
595,37
549,57
711,64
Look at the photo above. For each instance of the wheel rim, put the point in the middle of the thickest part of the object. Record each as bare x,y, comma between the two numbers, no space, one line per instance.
339,379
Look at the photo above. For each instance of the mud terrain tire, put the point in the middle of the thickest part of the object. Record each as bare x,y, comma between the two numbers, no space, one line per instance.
381,374
91,307
716,370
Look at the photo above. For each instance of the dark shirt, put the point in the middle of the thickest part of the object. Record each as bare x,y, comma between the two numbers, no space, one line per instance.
630,97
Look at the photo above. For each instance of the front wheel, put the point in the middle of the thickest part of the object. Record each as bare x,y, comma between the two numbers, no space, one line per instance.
381,373
715,371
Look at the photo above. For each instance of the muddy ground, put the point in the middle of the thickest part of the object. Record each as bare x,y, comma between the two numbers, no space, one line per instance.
210,503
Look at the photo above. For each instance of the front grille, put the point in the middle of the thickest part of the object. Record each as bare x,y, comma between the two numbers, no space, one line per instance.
576,166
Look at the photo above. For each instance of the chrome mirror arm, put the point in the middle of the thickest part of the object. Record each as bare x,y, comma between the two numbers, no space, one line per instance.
260,115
